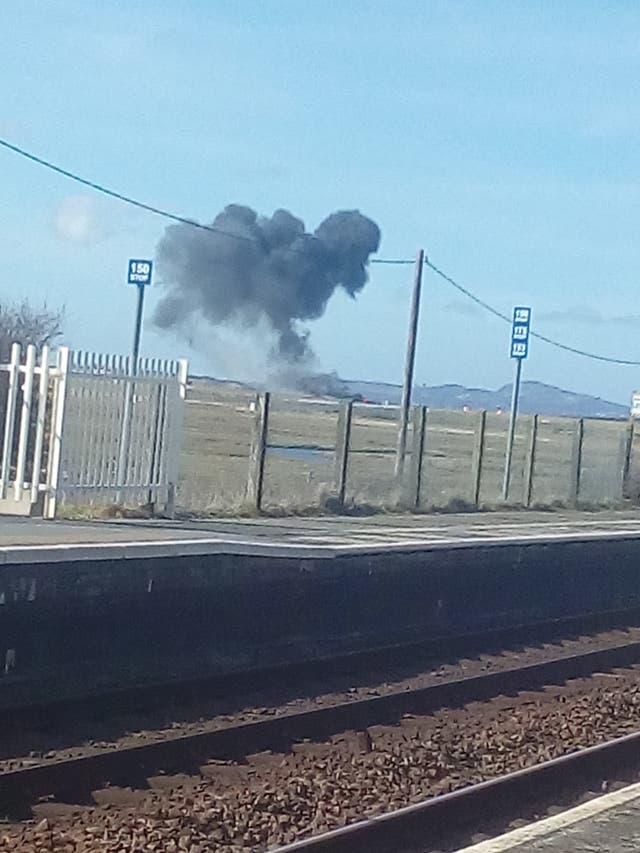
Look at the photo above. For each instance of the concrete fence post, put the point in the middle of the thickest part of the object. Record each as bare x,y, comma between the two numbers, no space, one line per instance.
576,463
418,427
258,451
343,440
628,454
530,461
622,465
476,458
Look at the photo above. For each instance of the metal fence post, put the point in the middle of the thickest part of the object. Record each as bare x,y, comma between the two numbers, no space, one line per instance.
576,462
57,426
258,451
343,440
419,425
530,461
476,459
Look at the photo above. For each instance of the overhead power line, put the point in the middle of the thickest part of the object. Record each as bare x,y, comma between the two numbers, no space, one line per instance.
113,194
534,334
396,261
393,261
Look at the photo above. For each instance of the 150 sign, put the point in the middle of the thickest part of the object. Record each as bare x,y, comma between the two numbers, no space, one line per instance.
139,271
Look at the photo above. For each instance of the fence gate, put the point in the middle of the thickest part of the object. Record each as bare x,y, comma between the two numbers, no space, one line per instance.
88,429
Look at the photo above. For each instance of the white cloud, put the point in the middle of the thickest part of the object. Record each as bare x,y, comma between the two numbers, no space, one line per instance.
76,220
582,314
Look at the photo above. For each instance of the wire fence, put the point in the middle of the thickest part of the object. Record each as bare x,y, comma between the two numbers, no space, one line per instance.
279,453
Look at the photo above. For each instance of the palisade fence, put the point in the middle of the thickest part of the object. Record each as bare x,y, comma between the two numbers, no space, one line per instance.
304,454
88,429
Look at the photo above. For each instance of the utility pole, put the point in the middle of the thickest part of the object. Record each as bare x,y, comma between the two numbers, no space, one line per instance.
408,370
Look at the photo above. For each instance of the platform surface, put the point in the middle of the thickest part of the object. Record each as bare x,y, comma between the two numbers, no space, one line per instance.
37,540
608,824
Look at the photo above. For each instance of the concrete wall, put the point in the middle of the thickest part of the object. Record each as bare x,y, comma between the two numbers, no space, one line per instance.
71,627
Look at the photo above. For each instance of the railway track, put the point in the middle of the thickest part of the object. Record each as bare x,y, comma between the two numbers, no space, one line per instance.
488,807
114,775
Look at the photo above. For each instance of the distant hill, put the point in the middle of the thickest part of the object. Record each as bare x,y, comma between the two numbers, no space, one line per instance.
535,398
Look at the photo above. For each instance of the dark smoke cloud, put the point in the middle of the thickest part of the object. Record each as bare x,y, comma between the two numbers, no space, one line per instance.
279,273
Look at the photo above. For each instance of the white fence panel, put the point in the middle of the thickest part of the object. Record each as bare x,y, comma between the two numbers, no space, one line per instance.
26,397
121,430
88,429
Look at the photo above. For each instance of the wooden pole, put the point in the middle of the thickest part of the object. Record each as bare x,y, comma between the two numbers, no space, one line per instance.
410,362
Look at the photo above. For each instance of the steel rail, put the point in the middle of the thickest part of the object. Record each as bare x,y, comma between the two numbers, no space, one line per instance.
73,779
451,818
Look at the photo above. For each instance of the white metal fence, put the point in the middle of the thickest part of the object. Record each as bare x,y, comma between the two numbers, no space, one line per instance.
89,429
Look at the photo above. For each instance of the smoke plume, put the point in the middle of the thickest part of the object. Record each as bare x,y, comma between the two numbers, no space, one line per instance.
262,268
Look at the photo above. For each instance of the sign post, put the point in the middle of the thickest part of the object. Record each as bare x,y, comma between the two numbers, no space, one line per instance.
520,329
139,273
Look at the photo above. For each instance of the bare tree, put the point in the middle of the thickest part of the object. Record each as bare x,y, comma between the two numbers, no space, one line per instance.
23,324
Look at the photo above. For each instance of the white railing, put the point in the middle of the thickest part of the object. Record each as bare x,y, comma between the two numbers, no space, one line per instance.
92,429
121,429
22,477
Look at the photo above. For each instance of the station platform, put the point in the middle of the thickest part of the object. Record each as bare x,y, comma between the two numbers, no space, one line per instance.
100,605
35,540
607,824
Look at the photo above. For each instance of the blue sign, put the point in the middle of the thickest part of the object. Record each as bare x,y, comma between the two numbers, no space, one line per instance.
139,272
520,332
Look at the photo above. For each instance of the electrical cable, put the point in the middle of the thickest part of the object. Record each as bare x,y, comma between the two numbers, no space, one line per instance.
212,228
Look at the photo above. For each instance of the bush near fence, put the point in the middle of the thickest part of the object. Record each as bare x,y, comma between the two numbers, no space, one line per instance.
278,453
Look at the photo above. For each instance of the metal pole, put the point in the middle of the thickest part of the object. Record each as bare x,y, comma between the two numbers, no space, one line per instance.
515,396
138,328
408,370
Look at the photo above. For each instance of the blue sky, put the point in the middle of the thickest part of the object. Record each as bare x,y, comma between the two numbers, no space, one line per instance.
502,137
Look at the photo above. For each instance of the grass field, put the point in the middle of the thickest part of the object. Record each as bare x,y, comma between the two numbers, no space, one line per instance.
299,463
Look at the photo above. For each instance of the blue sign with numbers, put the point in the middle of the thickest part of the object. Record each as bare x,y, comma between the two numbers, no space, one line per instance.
139,272
520,332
